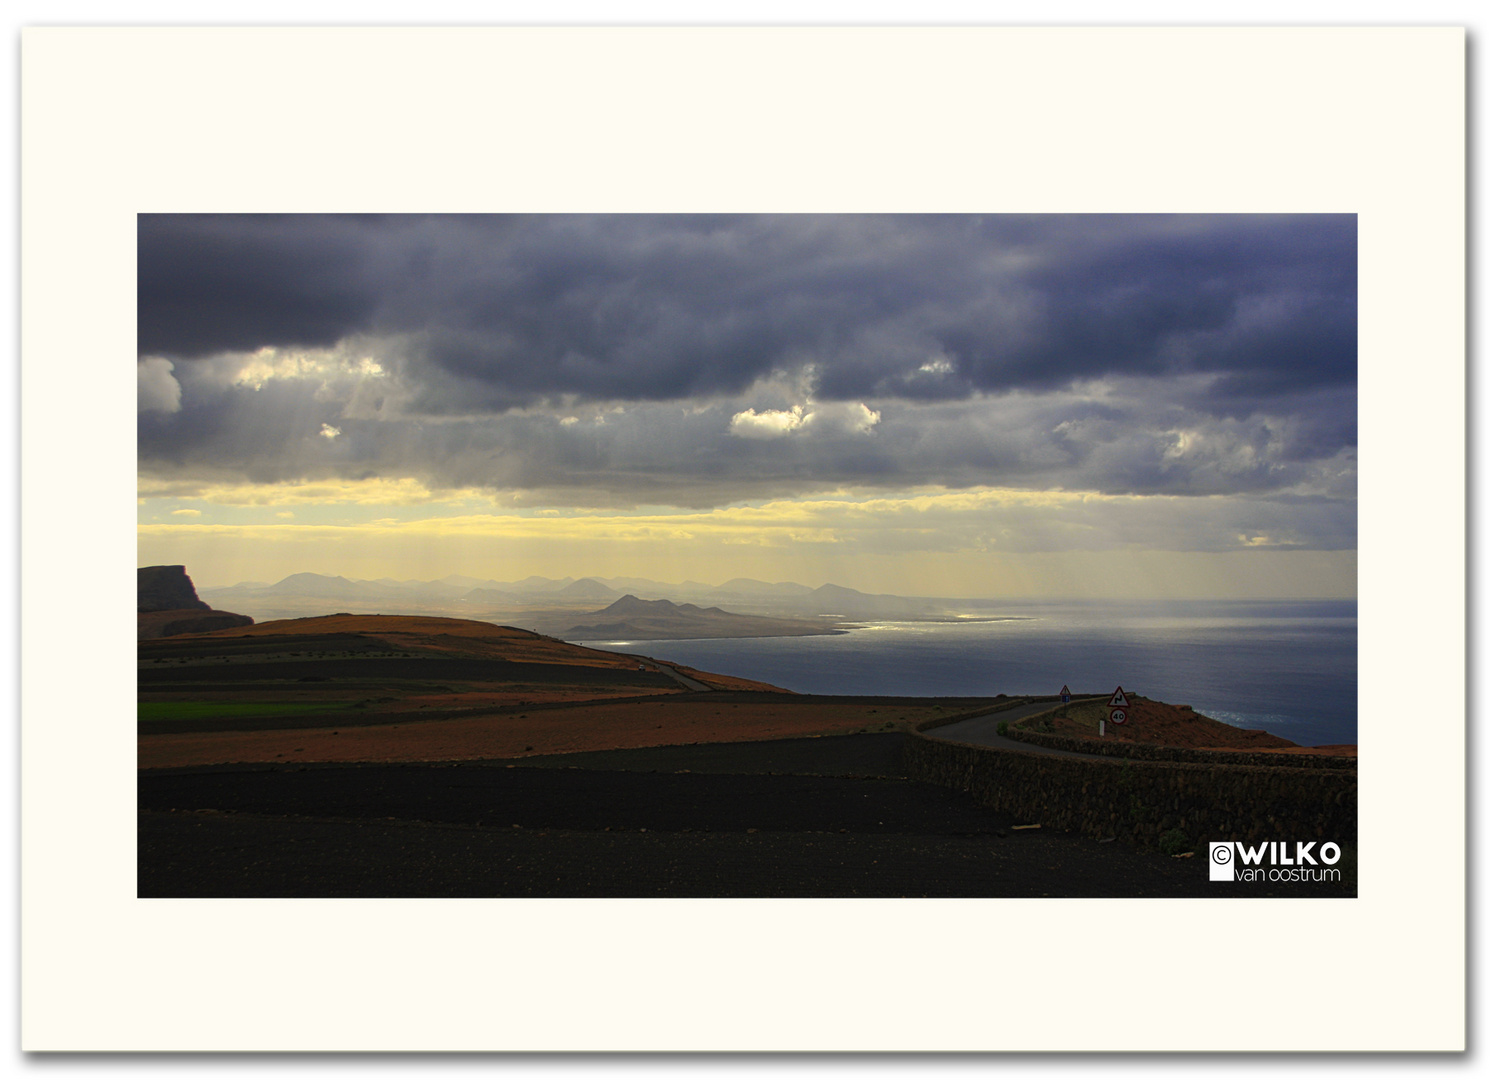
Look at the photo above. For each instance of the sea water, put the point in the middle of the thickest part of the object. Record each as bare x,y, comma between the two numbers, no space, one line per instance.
1290,668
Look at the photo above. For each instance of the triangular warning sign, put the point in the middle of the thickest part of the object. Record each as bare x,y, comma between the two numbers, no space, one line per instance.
1065,691
1119,700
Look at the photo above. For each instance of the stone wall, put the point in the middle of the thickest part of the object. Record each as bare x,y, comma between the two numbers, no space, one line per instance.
1140,800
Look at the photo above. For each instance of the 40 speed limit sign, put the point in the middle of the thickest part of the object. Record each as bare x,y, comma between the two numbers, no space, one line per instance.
1117,716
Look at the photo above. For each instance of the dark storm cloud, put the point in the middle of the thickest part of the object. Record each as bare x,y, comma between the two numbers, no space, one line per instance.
213,284
1268,303
494,312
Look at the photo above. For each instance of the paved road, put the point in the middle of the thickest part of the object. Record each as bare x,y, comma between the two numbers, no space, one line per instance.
981,731
684,680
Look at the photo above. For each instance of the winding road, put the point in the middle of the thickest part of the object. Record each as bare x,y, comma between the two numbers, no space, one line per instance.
684,680
981,731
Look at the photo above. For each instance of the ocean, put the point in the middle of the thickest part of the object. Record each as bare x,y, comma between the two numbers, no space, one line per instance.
1290,668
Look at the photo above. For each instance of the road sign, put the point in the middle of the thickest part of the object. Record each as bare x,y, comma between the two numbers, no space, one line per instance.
1117,716
1064,693
1118,699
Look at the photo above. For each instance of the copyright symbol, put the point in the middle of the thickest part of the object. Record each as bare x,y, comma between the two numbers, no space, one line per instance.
1222,854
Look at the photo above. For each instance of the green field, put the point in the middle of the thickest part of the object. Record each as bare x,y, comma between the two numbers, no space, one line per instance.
199,710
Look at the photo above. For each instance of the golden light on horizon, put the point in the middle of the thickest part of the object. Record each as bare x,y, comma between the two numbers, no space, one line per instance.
982,542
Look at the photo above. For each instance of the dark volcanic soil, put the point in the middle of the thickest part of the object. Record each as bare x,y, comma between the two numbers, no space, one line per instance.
830,817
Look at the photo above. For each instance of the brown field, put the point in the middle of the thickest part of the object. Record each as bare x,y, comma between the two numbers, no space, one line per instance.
624,725
500,697
431,689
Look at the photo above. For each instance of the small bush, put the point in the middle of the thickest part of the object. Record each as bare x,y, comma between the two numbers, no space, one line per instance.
1001,727
1174,842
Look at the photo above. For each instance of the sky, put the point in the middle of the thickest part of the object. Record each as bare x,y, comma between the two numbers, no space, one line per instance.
999,406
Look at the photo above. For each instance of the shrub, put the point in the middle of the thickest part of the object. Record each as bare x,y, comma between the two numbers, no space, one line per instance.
1174,842
1001,727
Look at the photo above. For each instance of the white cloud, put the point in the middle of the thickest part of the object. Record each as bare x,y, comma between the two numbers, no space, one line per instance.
329,432
156,387
844,416
768,424
256,369
186,513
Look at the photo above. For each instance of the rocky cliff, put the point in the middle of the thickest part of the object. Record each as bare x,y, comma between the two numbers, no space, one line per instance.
167,605
166,588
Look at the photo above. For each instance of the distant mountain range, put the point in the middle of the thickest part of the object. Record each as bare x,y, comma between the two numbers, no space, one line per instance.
561,607
659,620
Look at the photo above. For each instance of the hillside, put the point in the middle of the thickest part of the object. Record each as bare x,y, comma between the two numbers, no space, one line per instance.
1159,724
434,636
385,688
403,662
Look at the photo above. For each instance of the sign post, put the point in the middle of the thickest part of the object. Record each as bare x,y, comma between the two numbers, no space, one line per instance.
1118,706
1064,694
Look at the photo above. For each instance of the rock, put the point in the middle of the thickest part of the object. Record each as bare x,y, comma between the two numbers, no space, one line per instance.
166,588
167,605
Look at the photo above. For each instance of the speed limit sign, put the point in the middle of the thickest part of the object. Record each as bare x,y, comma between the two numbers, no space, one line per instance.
1117,716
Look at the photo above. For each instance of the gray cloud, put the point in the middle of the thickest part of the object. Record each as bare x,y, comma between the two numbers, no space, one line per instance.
1125,439
696,361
